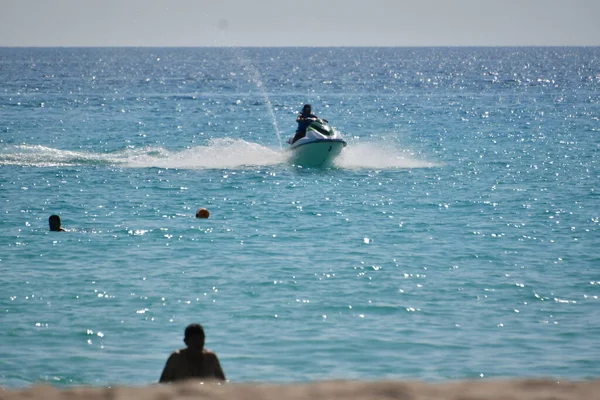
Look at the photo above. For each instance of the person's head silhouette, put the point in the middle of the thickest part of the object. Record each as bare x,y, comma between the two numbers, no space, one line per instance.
54,222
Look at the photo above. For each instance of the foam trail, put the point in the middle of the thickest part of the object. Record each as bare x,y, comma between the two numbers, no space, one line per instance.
42,156
378,156
216,154
220,153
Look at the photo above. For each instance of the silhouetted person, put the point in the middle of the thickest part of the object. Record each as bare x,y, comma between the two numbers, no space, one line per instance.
54,222
193,362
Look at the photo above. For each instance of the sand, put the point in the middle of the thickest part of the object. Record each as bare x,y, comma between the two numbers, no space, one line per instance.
526,389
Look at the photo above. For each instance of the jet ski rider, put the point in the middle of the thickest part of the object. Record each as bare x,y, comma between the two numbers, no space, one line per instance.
304,119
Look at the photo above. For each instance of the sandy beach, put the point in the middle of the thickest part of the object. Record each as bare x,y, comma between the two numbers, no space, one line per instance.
524,389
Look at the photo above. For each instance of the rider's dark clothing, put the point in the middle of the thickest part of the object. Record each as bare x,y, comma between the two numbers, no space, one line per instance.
303,120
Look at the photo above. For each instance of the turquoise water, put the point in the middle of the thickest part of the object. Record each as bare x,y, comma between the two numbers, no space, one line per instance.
456,237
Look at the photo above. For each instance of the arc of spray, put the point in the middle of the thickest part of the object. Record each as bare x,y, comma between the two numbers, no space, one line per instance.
261,87
223,26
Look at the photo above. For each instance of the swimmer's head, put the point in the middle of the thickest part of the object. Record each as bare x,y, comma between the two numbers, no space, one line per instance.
54,222
194,336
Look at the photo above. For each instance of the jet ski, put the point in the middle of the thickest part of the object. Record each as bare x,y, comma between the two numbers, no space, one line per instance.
319,147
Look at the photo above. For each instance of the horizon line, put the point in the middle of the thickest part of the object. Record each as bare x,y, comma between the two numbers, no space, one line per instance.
292,46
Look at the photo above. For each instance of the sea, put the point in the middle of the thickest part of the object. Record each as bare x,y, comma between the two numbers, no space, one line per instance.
456,237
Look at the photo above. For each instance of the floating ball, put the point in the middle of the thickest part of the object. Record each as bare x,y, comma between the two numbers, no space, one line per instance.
202,213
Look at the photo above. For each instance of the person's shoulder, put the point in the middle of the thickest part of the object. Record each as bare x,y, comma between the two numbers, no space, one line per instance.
178,353
209,353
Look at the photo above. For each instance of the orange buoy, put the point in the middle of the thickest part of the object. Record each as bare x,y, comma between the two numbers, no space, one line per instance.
202,213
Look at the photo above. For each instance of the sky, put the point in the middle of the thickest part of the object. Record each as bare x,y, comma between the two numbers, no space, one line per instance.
159,23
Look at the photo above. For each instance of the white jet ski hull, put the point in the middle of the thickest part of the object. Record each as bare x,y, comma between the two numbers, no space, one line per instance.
319,147
317,152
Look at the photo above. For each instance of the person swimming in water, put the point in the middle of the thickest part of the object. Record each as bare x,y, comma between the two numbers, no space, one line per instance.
193,362
54,222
